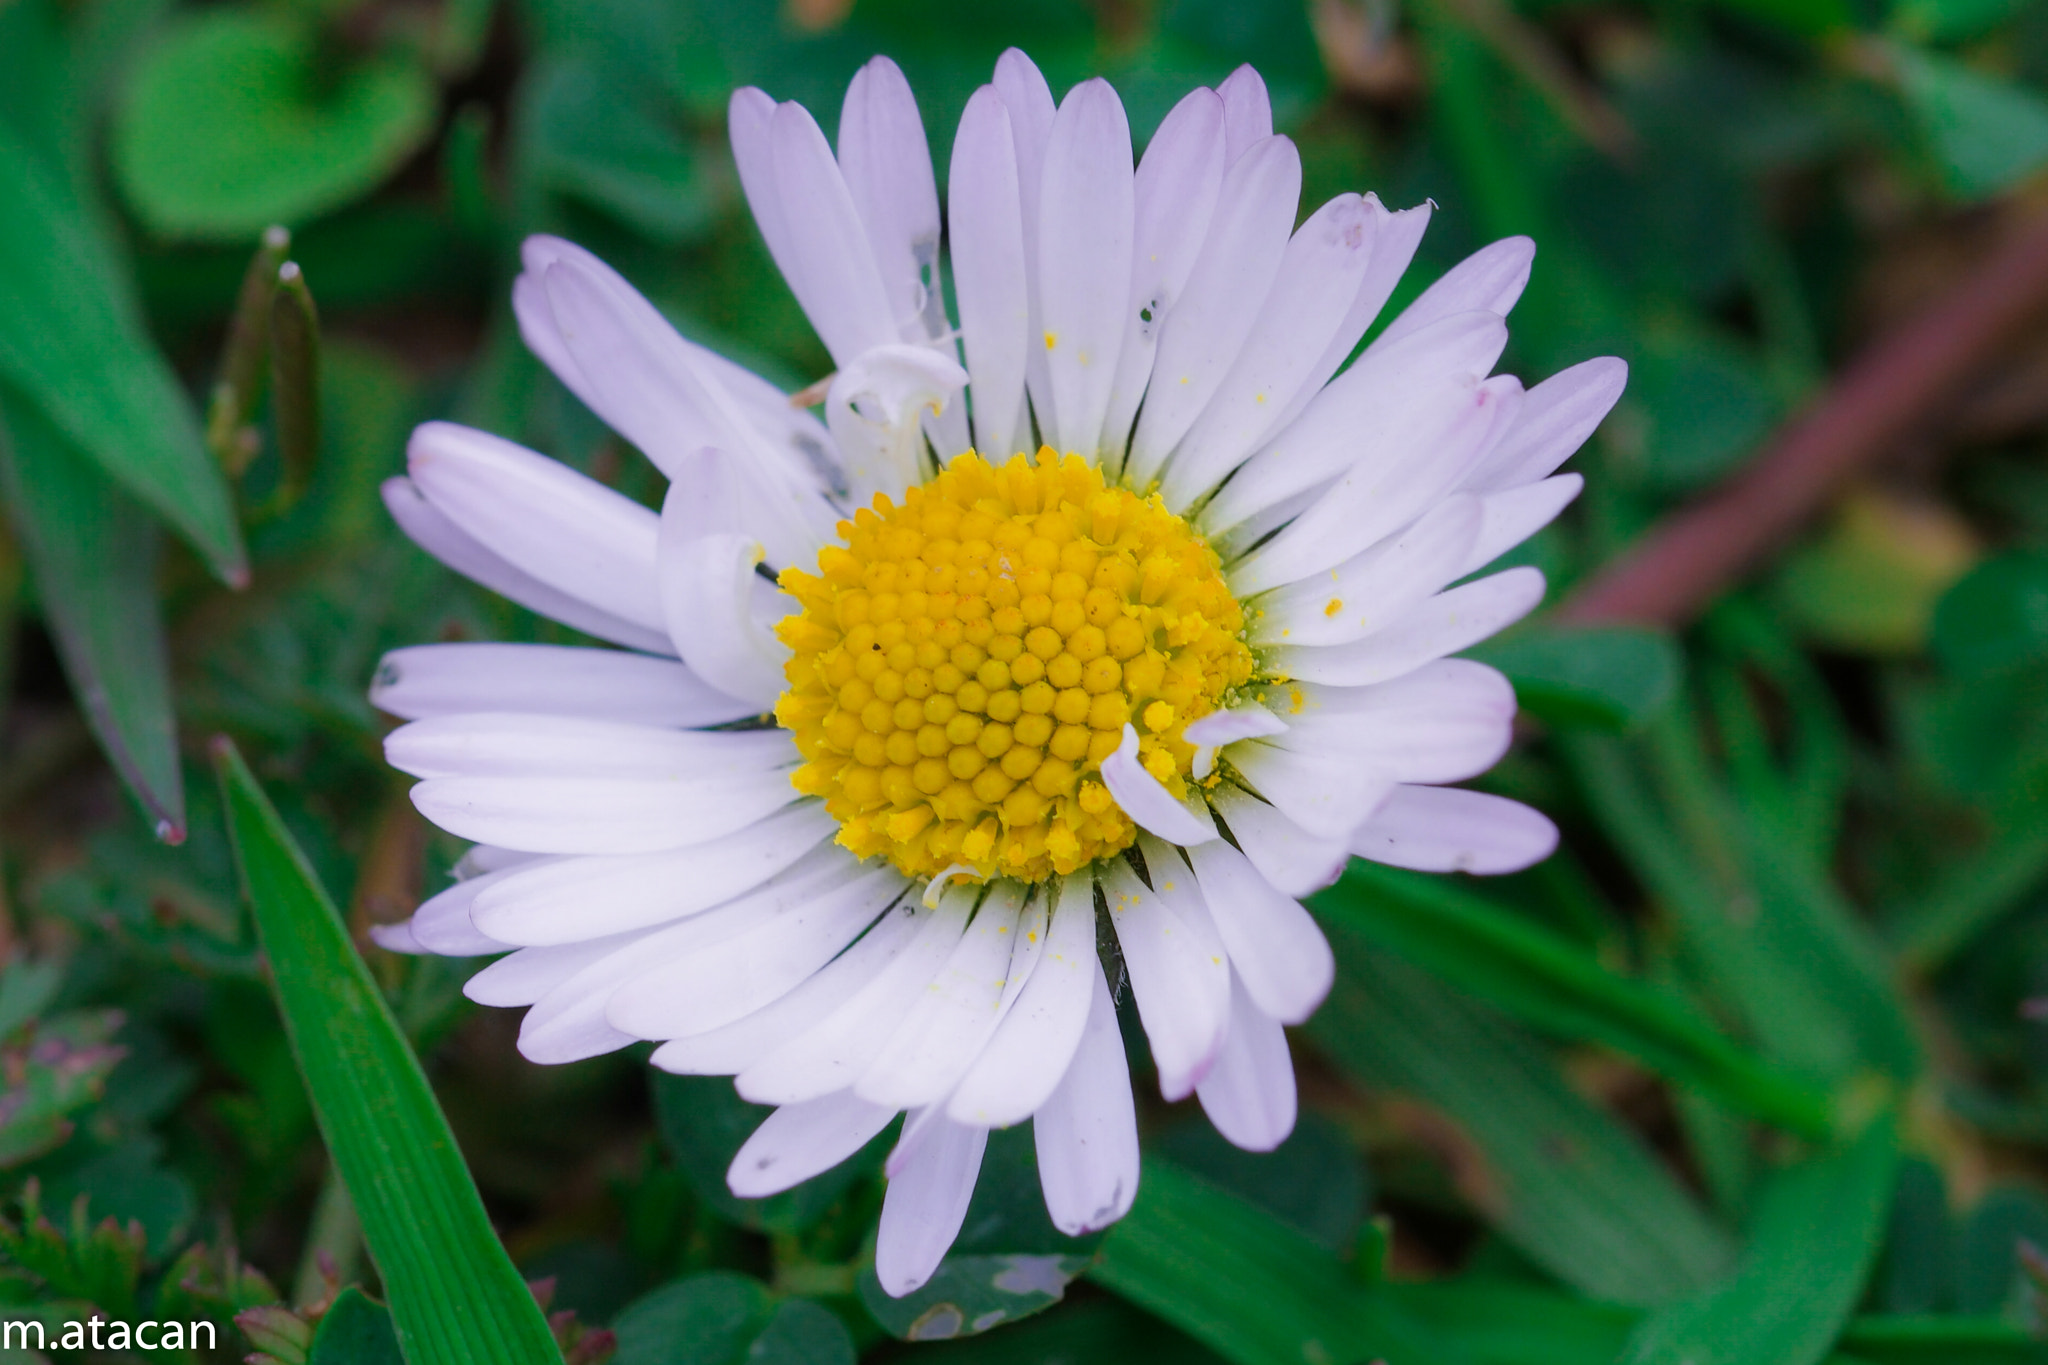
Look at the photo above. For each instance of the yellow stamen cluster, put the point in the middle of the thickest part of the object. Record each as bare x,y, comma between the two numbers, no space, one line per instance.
965,661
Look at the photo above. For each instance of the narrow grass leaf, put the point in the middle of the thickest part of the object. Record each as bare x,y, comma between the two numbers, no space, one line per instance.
1248,1286
72,342
455,1295
1558,988
93,551
1815,1236
1561,1180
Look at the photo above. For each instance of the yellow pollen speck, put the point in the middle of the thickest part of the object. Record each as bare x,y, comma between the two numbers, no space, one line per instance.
1052,339
962,664
1336,605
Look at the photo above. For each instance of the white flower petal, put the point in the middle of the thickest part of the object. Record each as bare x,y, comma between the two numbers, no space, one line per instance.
397,938
1227,727
1085,217
436,680
522,977
1394,243
1431,629
1373,500
507,744
443,925
1326,791
1249,1093
1086,1132
799,1141
1028,101
1512,515
1386,413
1557,417
801,926
1175,195
553,814
1445,722
876,408
937,1041
925,1205
1029,1051
1447,829
888,170
732,1048
1287,856
1319,277
1139,795
1491,278
1229,281
568,531
832,1054
709,593
1375,588
750,122
1280,956
1181,979
990,279
1247,110
567,899
832,262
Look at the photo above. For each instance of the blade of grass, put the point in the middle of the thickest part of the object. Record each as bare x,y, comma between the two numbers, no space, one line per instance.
1816,1234
1560,989
1247,1285
455,1295
93,552
71,340
1561,1180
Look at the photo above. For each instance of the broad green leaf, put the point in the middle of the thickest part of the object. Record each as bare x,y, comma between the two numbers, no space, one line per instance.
93,551
1987,133
1558,988
235,121
1602,677
72,345
1950,21
1706,403
1094,1331
1008,1262
1314,1180
1807,18
616,154
1812,1243
1919,1262
1869,583
703,1122
1986,1268
720,1318
1996,617
1248,1286
355,1331
1562,1181
455,1296
1944,1340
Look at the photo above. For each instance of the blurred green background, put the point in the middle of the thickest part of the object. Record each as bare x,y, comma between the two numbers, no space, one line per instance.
1754,1070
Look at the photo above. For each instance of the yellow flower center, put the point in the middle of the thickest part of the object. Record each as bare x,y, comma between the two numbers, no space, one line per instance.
965,661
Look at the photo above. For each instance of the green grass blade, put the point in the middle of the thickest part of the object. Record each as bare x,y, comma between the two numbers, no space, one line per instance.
1563,1181
455,1296
1247,1285
93,551
71,340
1558,988
1816,1234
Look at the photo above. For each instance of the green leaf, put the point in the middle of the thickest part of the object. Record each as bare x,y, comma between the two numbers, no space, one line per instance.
455,1296
1996,617
73,344
612,152
234,121
1314,1180
1988,134
1558,988
1598,677
53,1070
1932,1340
1815,1236
1248,1286
703,1122
1008,1262
1950,21
1986,1268
720,1318
1561,1180
1093,1331
355,1331
93,551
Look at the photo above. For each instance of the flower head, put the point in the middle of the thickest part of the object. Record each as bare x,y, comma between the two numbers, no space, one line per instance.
1119,598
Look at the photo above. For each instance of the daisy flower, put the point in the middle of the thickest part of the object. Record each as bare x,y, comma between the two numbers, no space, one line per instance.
1112,608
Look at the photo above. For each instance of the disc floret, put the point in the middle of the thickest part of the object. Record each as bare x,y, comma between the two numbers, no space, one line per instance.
964,661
